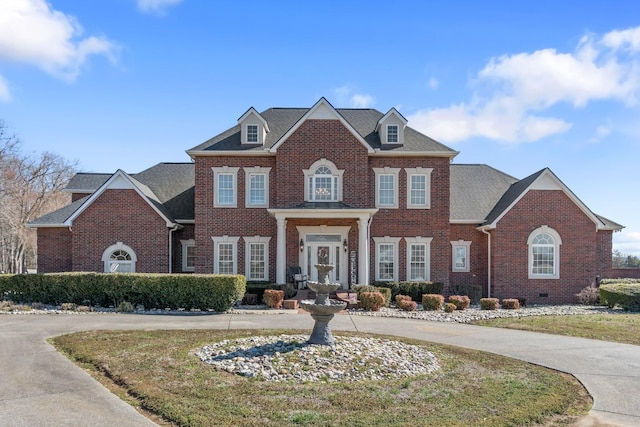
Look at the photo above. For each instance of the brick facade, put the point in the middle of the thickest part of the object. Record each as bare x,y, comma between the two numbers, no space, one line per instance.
54,250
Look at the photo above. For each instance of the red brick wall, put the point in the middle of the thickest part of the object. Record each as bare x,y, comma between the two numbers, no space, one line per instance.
120,216
54,250
477,274
578,260
187,233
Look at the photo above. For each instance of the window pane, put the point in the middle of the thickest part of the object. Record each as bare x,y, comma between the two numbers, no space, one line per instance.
257,193
461,257
323,186
257,261
418,262
392,133
386,190
252,133
386,258
418,185
543,260
191,256
225,189
225,258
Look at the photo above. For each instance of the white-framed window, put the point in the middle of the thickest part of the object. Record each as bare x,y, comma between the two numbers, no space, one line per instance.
225,187
188,255
119,258
323,182
257,257
418,187
225,250
460,250
252,134
418,258
387,258
392,134
257,187
544,253
386,187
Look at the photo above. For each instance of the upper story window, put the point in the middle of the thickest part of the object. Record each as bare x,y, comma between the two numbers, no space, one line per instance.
252,134
225,187
418,188
257,187
392,134
386,187
544,253
323,182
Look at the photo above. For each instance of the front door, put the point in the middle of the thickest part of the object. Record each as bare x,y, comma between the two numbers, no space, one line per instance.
324,249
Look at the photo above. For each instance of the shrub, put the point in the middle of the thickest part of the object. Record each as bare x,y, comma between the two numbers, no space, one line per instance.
473,291
68,306
489,303
414,289
401,297
250,299
408,304
625,295
371,301
386,293
450,307
522,301
125,307
589,296
460,301
363,288
83,308
510,304
273,298
432,301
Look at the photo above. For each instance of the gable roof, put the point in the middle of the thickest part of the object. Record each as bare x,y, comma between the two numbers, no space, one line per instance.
282,122
167,187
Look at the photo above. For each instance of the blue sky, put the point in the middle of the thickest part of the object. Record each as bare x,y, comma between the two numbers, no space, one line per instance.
516,85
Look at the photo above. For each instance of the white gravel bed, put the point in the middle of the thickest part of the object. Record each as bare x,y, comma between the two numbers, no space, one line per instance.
290,358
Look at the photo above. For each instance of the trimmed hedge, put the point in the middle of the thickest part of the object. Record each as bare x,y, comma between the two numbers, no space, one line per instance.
372,301
215,292
258,288
474,292
460,301
432,301
414,289
489,303
625,295
510,304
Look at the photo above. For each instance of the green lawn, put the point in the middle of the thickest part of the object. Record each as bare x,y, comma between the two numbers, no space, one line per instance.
157,372
622,327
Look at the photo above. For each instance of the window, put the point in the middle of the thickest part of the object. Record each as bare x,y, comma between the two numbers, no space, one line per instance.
387,258
257,258
252,134
460,255
225,249
257,187
392,134
418,258
188,255
119,258
544,253
224,187
386,187
419,188
323,182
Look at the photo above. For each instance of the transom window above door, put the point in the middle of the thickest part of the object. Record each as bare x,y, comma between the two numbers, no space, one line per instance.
323,182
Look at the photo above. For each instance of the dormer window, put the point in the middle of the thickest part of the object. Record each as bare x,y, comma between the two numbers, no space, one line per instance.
392,134
323,182
252,134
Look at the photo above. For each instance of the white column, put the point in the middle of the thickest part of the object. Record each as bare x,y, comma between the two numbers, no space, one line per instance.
281,252
363,250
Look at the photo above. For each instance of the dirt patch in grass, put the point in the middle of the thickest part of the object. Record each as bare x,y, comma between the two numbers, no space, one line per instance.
157,372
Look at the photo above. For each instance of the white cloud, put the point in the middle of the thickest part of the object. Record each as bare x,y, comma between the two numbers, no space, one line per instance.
5,95
345,95
433,83
627,242
156,6
602,131
361,101
35,34
511,91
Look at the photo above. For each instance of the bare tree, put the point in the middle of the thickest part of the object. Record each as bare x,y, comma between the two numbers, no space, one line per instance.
30,186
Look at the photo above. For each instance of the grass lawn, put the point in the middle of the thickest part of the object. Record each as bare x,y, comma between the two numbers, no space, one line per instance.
157,372
621,327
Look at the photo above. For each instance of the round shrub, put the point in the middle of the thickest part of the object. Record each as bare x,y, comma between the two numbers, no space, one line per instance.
371,301
489,303
460,301
450,307
510,304
273,298
401,297
432,301
408,305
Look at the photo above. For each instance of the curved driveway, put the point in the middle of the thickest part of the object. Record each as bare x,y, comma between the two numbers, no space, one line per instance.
41,387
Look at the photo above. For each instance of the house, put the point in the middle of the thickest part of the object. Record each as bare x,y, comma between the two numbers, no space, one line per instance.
356,188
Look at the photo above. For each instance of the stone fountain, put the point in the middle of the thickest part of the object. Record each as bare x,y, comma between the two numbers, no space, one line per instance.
322,309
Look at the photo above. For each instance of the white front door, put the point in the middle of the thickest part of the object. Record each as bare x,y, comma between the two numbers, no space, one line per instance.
325,249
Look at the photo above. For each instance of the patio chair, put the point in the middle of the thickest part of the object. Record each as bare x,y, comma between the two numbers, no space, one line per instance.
296,277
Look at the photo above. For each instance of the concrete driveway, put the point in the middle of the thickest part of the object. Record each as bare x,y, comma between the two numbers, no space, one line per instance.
41,387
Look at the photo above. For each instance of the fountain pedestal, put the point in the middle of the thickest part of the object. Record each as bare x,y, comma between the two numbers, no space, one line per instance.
322,309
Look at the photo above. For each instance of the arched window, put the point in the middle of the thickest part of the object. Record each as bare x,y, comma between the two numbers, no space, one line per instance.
119,258
323,182
544,253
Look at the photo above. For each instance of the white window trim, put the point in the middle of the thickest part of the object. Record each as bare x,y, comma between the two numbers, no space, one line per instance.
185,244
217,240
246,133
106,255
419,171
225,170
419,240
467,247
247,257
387,240
387,171
309,173
256,170
556,252
397,134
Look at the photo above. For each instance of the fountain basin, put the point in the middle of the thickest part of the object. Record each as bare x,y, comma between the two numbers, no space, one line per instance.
323,309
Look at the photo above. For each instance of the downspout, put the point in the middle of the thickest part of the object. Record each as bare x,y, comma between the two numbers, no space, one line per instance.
368,248
488,261
171,230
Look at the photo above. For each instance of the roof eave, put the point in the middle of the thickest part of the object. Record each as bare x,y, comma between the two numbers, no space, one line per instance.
390,153
223,153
